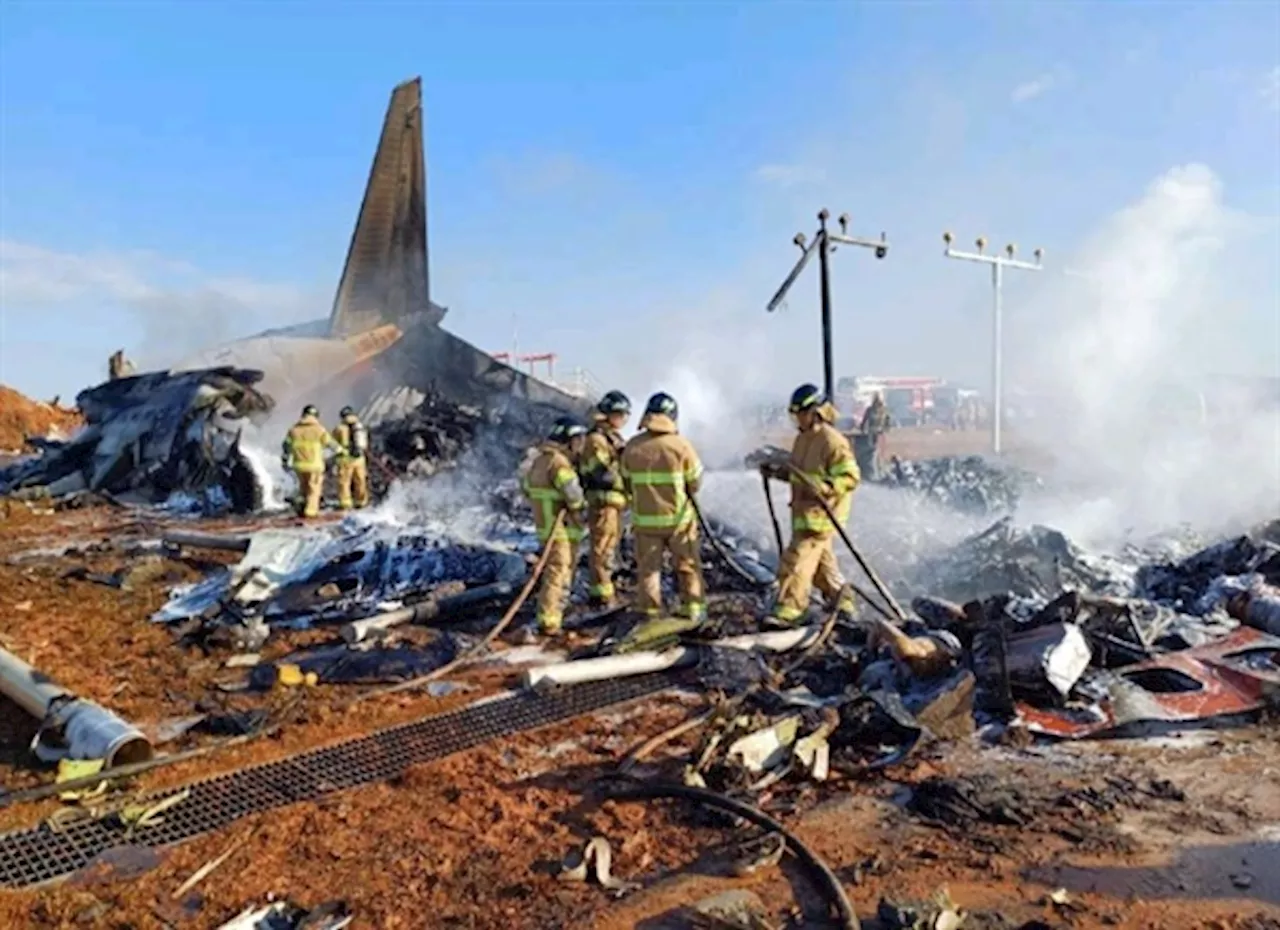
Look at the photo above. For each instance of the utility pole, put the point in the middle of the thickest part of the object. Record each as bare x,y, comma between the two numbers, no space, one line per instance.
824,243
998,263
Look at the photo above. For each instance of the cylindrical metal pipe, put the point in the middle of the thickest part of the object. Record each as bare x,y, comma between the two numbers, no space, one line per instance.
828,352
997,356
358,630
641,663
26,687
207,541
88,731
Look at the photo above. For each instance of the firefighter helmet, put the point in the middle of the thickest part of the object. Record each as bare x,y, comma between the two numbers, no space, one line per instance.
346,412
664,404
311,410
806,397
614,402
565,429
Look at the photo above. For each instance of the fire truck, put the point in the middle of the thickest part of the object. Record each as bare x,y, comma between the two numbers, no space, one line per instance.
911,400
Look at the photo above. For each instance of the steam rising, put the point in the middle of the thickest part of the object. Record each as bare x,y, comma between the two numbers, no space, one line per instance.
1144,436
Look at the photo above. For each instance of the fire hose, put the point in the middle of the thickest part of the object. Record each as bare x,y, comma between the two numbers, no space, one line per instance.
881,589
472,653
720,550
626,789
773,515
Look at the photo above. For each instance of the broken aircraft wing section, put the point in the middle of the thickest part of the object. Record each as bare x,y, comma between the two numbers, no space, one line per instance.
385,276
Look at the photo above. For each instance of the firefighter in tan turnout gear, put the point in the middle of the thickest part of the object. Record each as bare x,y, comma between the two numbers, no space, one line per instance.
353,465
552,486
825,461
303,452
661,470
606,493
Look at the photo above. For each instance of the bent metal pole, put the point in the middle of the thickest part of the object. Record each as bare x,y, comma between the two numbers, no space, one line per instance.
88,731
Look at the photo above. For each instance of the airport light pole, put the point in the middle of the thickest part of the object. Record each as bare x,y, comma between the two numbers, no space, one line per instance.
824,243
998,264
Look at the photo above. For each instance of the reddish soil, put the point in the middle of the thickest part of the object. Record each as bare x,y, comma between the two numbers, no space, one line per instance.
20,417
476,840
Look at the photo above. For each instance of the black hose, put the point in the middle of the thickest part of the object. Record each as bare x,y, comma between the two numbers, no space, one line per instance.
866,567
724,553
773,515
836,898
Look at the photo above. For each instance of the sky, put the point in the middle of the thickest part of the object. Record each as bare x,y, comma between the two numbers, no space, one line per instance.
619,182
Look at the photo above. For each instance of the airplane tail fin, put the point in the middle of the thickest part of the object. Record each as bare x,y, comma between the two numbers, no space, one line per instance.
385,278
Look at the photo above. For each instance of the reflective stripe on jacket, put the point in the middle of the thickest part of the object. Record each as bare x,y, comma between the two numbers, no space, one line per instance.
601,475
823,455
552,485
305,443
660,469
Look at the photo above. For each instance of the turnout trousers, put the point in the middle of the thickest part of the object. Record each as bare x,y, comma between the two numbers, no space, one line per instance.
686,559
353,483
557,577
310,490
809,561
605,526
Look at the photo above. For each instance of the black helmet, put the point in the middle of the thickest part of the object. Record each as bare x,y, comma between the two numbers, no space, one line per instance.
311,410
346,412
614,402
566,428
664,404
806,397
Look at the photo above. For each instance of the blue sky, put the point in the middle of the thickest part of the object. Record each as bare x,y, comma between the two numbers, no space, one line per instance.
618,181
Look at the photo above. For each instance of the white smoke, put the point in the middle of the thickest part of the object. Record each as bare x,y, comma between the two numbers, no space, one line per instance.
1120,361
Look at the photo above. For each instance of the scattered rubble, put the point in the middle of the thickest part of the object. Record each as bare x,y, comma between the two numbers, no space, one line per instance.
436,434
969,484
1022,631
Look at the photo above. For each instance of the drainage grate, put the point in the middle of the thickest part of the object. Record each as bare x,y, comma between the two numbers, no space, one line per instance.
39,855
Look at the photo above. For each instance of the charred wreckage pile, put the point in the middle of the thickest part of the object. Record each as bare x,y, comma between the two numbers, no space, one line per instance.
1020,630
149,437
188,439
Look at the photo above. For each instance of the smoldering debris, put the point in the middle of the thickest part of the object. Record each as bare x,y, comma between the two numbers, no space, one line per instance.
299,577
1031,562
436,434
970,484
149,437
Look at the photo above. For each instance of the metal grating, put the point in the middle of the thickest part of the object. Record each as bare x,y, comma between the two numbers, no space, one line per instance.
39,855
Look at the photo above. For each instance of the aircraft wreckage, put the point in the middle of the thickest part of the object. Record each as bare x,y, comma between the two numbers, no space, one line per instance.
187,431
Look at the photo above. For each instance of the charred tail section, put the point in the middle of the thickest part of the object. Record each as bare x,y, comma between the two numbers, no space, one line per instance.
385,279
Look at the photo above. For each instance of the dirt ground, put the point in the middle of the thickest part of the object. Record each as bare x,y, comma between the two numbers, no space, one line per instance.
20,417
1157,834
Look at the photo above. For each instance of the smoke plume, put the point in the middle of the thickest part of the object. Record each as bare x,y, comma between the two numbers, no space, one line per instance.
1124,381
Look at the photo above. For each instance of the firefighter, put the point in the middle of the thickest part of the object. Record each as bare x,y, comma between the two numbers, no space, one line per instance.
876,423
660,470
353,465
606,494
304,448
827,468
552,486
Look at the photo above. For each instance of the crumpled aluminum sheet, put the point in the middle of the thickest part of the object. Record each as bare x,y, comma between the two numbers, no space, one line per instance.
340,571
1234,676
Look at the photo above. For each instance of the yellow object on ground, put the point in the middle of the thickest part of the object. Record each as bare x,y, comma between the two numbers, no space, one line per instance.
71,769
